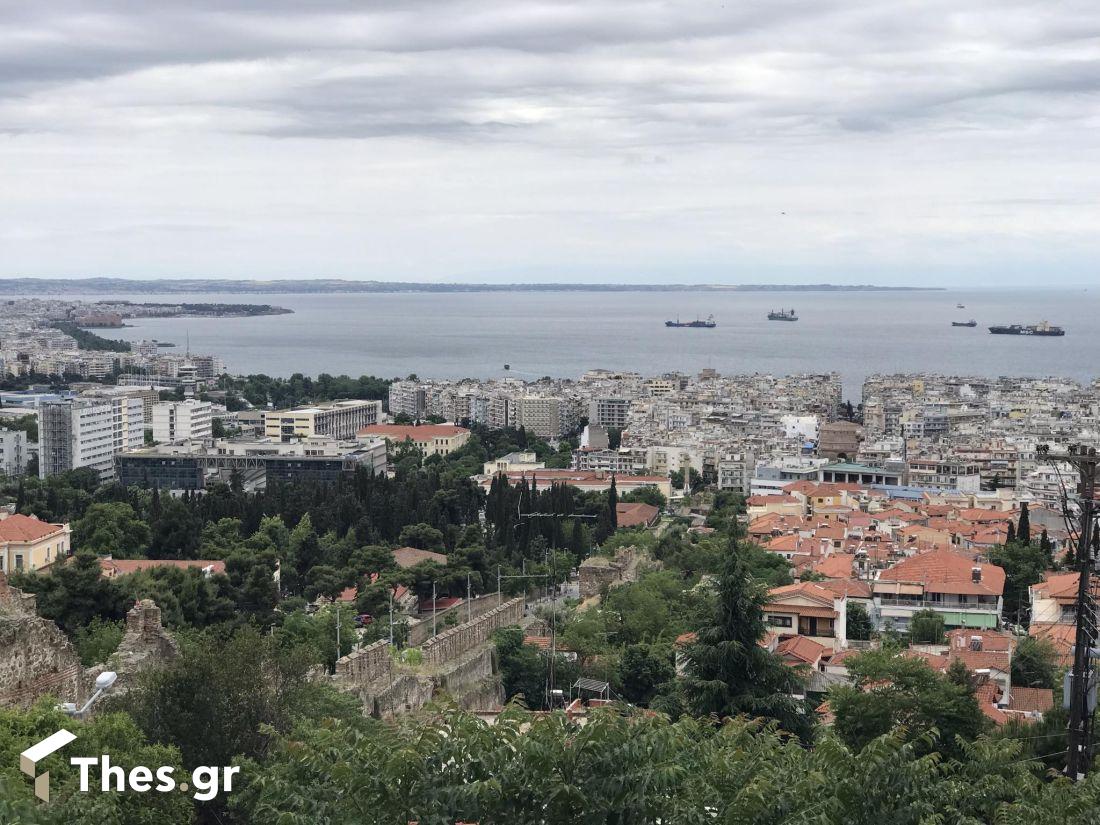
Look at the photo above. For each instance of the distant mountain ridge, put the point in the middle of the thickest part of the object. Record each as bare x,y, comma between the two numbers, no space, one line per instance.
106,286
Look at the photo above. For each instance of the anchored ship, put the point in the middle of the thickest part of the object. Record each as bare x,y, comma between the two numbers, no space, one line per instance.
970,323
710,323
1042,328
782,315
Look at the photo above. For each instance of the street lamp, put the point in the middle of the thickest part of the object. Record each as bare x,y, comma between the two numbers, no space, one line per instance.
103,683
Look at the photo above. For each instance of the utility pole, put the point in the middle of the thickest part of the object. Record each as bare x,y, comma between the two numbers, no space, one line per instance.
391,615
1079,755
434,610
469,606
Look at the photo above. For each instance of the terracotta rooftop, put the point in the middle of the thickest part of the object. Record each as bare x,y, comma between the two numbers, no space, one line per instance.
944,571
411,556
124,567
634,514
802,649
422,432
20,528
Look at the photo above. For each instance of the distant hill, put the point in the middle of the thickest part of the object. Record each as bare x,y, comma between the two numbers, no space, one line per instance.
108,286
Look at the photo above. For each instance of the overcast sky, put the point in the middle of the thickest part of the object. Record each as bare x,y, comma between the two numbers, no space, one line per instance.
947,142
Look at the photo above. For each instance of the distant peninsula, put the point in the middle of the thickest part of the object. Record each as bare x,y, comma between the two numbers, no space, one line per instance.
102,286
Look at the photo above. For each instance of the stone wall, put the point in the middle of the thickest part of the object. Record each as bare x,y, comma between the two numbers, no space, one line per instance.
477,606
364,666
36,658
451,644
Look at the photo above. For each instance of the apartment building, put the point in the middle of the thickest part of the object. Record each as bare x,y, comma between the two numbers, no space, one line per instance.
939,473
87,431
13,453
182,420
735,472
609,412
341,420
541,415
29,544
965,592
408,398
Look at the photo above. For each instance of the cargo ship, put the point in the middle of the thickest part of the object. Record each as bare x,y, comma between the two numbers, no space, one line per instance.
710,323
1042,328
970,323
782,315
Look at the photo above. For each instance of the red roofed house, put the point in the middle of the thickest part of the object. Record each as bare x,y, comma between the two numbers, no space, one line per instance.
432,439
800,650
636,514
807,609
29,544
965,592
783,505
406,557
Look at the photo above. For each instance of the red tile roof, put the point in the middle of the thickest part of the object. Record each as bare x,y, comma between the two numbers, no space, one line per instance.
944,571
635,514
1031,700
20,528
423,432
802,649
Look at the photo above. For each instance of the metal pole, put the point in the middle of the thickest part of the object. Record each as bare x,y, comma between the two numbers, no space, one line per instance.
391,616
1077,762
338,630
469,606
433,608
498,586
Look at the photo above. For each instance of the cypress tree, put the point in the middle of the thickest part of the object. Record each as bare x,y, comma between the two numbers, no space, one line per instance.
612,506
1023,529
1011,533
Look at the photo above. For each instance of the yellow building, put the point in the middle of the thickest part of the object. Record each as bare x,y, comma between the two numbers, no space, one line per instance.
432,439
29,544
340,420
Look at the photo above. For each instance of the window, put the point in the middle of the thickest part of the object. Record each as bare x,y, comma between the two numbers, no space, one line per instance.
779,621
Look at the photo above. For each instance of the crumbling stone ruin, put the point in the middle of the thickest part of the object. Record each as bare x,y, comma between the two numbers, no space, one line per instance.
598,572
37,659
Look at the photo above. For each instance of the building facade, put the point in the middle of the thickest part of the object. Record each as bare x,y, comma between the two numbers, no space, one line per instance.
87,431
182,420
13,453
341,420
28,544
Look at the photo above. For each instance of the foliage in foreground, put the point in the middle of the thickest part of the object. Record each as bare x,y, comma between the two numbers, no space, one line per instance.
640,769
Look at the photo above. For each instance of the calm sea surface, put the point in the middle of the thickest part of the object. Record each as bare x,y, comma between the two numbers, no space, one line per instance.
564,333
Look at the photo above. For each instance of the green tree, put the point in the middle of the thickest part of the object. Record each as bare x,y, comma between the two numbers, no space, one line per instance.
111,527
858,622
521,667
926,627
728,672
421,536
643,670
1023,527
891,689
73,594
1024,565
177,531
1035,664
97,640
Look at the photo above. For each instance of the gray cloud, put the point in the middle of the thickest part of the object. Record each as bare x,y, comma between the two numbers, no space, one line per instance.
585,128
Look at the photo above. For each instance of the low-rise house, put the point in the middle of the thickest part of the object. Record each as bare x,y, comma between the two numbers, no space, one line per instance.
965,592
26,543
431,439
636,514
807,609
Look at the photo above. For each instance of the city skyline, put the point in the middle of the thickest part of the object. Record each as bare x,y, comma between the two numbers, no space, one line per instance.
599,142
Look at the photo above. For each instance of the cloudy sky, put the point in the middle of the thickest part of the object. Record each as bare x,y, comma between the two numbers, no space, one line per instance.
948,142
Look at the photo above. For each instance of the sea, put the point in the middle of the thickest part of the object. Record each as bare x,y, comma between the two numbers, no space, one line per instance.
561,334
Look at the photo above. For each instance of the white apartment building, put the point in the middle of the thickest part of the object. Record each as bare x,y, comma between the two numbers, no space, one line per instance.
341,420
13,453
609,412
735,472
87,431
182,421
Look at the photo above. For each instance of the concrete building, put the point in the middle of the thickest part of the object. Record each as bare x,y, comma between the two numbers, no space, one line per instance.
609,412
14,454
29,544
541,416
87,431
431,439
735,471
256,462
341,420
182,420
513,463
